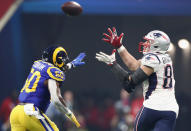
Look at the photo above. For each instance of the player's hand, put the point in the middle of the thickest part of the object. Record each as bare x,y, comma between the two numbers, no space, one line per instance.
71,116
113,39
108,59
77,61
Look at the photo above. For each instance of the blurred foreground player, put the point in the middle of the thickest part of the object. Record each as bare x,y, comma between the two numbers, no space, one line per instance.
41,87
155,71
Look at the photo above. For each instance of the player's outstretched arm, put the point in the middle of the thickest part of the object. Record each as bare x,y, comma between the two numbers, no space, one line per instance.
116,41
128,80
59,102
78,61
129,60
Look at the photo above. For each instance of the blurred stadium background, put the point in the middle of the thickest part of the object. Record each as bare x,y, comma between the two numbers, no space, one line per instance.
29,26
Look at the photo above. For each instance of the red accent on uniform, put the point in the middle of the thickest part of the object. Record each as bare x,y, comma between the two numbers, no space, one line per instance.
136,106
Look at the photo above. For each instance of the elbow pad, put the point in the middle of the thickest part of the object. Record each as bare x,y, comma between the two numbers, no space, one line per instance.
138,77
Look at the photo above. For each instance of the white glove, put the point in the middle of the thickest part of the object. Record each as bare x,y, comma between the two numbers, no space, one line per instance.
108,59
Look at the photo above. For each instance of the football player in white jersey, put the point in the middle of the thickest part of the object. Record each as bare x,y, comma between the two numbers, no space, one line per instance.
154,71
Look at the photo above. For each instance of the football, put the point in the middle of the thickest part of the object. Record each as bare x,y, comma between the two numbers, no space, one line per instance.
72,8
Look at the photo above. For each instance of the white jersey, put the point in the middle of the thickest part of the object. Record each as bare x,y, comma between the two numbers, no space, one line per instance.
158,89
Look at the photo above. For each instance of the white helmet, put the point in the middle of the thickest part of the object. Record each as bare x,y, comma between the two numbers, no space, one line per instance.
156,41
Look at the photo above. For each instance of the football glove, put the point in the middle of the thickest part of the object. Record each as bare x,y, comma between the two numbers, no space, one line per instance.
71,116
113,39
77,61
108,59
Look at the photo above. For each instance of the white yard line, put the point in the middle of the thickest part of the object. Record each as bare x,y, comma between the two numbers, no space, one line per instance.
9,13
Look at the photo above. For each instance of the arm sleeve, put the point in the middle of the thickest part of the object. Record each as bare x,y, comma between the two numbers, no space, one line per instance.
129,85
54,97
119,72
138,76
151,60
123,76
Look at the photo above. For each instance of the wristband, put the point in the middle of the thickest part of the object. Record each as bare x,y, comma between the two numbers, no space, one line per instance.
69,65
120,49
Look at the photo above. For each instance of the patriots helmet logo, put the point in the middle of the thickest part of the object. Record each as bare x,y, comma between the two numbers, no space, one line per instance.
157,35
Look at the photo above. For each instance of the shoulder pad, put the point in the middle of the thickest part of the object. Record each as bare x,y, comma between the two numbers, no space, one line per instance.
56,74
150,60
151,57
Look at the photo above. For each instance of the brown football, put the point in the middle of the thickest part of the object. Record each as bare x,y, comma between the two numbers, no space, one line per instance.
72,8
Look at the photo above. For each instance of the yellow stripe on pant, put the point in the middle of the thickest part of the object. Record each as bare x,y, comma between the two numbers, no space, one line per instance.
22,122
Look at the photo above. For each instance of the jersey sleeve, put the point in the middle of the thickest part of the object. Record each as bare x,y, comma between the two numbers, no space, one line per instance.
151,60
55,74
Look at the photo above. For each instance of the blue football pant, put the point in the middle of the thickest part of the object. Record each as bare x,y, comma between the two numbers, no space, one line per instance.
154,120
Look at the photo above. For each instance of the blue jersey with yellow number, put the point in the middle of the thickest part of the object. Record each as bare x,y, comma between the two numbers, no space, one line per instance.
34,90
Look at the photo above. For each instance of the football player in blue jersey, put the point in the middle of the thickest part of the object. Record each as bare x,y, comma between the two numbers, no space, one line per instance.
41,88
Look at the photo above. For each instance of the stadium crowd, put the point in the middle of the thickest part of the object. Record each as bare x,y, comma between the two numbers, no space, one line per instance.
95,115
108,115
